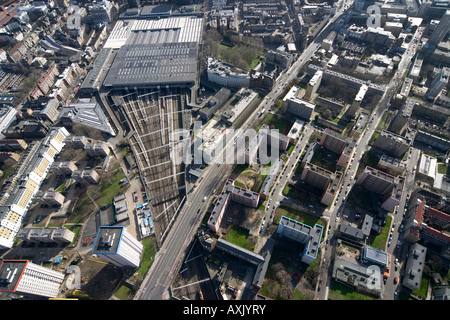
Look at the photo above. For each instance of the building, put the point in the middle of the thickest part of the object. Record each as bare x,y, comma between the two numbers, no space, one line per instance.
338,144
226,74
17,52
154,53
90,176
50,111
438,83
50,198
16,206
116,245
393,144
64,167
48,235
297,231
442,29
214,104
102,12
414,266
229,193
370,256
357,276
298,107
313,85
390,188
265,138
322,179
27,278
76,142
97,149
13,145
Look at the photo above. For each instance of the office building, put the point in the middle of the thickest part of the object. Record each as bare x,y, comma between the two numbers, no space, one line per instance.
214,104
390,188
229,193
116,245
26,278
299,232
441,30
438,83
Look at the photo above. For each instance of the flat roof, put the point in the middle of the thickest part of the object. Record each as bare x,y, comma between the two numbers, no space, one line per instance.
107,240
375,255
154,64
10,273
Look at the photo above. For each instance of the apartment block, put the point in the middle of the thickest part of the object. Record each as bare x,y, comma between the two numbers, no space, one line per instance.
322,179
64,167
394,144
50,197
27,278
229,193
76,142
297,231
116,245
56,235
90,176
265,138
13,145
21,197
390,188
97,149
313,85
298,107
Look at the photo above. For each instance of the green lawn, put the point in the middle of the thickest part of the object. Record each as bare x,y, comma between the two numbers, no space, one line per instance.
422,291
112,188
299,216
148,256
339,291
239,237
380,240
123,292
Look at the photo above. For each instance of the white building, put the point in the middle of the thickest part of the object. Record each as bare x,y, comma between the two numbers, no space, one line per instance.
18,202
25,277
116,245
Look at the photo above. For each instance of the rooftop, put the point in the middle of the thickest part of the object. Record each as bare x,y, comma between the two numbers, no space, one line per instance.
107,240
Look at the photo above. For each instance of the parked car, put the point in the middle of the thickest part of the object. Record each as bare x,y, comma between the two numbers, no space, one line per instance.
395,280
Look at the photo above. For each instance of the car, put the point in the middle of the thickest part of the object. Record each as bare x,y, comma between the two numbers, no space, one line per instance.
395,280
336,220
384,280
136,198
392,229
204,199
396,295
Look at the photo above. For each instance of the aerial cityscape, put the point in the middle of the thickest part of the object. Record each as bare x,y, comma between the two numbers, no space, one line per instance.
225,150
